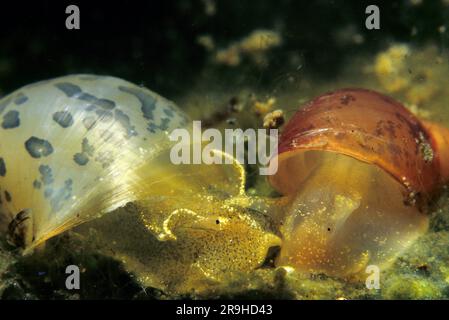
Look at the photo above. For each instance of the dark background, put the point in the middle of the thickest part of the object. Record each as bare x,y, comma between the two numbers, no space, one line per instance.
154,42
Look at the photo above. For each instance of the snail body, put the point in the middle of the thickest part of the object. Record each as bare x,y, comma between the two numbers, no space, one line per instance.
75,147
358,170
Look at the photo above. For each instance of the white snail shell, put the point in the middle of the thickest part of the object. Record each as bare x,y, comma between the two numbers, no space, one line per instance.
70,148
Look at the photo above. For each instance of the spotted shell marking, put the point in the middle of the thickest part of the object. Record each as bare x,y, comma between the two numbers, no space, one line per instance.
69,147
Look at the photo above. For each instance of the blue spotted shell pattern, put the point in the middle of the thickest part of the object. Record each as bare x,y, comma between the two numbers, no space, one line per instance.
73,148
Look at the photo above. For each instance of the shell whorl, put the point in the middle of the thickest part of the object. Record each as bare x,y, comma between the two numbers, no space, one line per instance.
70,148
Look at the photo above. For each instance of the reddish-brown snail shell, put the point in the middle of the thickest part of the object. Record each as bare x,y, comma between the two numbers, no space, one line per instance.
358,169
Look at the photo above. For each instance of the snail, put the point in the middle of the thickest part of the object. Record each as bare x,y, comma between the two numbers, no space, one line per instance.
357,171
75,147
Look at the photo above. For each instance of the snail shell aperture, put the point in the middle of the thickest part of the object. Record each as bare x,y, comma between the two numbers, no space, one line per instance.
358,170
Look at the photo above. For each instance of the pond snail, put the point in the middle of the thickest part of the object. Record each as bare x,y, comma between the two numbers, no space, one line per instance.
75,147
357,170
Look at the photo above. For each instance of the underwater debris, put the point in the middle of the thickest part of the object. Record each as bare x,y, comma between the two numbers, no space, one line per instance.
417,111
407,72
261,108
210,7
274,119
224,113
411,287
255,46
5,260
390,67
206,41
349,35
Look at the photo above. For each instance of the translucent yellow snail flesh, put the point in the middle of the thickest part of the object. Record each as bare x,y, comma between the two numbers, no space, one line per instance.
358,170
202,233
203,229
